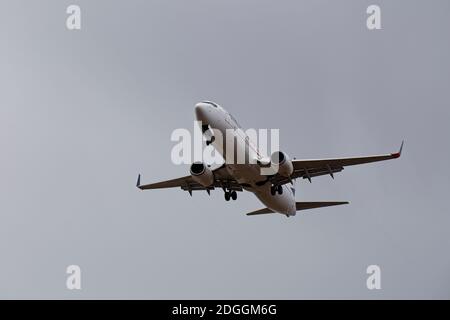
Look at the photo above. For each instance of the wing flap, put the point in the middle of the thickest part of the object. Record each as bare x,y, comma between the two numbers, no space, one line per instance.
336,163
222,179
178,182
309,168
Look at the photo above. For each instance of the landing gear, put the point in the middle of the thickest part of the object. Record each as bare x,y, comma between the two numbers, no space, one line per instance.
276,189
280,189
211,140
230,195
205,128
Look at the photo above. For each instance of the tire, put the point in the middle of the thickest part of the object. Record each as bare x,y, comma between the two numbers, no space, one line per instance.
280,189
272,191
234,195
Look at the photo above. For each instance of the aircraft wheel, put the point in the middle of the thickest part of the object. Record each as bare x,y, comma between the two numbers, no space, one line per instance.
272,190
280,189
208,142
227,196
234,195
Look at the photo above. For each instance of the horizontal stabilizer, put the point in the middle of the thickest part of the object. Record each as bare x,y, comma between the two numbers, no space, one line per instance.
319,204
260,211
301,206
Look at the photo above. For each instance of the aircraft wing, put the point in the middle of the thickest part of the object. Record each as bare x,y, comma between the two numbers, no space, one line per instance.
222,179
307,169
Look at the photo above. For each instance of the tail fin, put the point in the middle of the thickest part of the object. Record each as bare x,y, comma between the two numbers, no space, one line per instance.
301,206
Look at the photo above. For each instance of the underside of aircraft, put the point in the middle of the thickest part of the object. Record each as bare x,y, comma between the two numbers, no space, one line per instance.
275,190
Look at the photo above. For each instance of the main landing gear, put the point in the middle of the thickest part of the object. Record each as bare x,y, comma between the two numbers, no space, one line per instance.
230,195
276,189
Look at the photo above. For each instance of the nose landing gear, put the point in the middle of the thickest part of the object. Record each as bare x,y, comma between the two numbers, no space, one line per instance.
276,189
230,195
211,140
205,129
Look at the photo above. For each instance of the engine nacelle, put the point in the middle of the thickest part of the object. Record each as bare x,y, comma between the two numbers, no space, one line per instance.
282,161
202,174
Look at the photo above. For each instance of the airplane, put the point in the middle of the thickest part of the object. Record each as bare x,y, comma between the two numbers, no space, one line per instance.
276,191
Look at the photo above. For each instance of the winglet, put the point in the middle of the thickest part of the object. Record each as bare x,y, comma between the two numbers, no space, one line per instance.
399,153
138,183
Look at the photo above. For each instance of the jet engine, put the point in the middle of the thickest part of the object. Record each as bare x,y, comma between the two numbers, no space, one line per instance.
202,174
282,161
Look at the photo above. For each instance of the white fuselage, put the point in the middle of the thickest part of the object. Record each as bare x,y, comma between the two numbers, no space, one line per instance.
246,174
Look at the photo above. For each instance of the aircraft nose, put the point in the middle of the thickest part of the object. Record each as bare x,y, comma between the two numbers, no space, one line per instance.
292,210
201,110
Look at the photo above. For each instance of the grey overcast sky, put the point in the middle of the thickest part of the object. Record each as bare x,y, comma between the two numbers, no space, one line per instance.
82,112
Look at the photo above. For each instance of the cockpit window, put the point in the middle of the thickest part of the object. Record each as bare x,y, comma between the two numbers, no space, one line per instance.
211,103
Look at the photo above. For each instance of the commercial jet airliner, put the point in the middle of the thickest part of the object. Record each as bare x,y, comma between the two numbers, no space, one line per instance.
276,191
